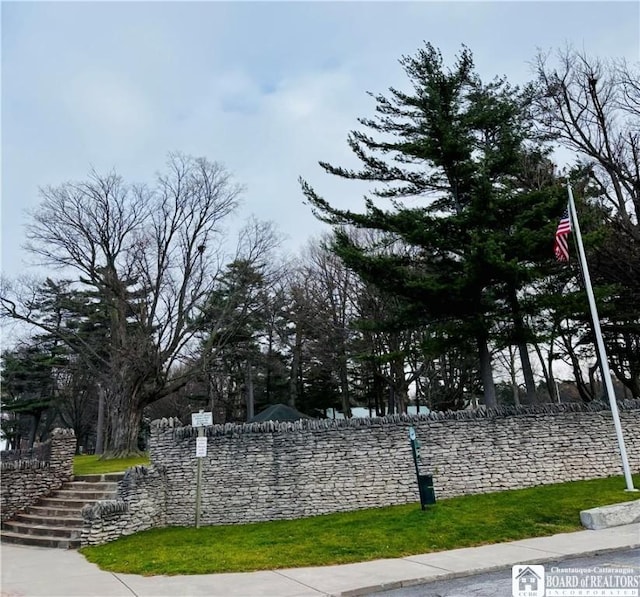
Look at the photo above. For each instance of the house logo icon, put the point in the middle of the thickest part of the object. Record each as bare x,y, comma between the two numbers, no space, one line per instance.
527,581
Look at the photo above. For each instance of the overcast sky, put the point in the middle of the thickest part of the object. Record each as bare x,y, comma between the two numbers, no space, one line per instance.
266,88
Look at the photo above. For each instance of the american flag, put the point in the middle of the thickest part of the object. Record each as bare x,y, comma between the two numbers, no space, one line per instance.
561,246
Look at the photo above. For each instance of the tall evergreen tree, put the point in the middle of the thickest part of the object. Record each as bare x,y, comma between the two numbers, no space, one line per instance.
456,147
28,389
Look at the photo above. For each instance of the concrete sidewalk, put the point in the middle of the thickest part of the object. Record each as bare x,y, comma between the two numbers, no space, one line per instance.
32,572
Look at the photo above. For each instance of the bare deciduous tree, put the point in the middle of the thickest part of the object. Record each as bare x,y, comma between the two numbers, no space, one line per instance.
592,106
151,256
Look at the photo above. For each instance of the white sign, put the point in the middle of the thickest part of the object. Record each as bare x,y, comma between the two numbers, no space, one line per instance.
412,433
201,447
201,419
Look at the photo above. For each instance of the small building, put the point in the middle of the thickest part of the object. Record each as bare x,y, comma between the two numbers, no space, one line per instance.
278,412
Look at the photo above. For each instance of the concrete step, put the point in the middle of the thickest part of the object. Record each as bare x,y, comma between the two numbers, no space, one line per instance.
54,502
87,496
49,511
60,521
39,541
56,520
107,486
114,477
59,532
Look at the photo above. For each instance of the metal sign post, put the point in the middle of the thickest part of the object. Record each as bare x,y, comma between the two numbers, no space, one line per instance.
199,420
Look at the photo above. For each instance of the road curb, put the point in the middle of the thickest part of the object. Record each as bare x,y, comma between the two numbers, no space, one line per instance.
446,575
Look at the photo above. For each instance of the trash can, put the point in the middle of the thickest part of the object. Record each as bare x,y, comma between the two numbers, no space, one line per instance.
427,493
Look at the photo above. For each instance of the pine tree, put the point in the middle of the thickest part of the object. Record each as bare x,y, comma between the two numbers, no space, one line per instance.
28,389
457,148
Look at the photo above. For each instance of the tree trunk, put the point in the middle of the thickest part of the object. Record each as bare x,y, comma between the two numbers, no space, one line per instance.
486,372
401,388
520,337
295,367
547,371
124,414
596,389
378,392
515,390
250,398
35,421
344,386
100,424
527,371
268,374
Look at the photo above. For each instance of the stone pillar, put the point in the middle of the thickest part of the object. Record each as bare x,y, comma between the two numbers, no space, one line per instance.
63,449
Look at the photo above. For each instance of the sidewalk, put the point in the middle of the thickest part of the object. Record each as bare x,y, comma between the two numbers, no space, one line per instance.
32,572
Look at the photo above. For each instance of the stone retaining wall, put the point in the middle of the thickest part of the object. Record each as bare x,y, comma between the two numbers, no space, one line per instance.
278,471
25,481
270,471
140,505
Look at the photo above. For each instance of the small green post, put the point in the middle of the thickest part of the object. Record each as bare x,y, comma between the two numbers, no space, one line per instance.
425,482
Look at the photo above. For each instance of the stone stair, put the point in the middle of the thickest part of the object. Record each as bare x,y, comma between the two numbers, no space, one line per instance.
56,520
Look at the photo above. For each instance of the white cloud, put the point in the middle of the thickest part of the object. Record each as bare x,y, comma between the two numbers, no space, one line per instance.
266,88
106,105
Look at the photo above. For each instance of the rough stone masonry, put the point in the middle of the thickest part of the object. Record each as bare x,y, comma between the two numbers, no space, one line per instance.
25,481
270,471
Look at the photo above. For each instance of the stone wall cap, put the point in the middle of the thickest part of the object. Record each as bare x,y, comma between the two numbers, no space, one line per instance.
501,412
62,432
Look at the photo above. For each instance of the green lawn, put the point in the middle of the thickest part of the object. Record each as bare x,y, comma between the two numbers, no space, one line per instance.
92,465
362,535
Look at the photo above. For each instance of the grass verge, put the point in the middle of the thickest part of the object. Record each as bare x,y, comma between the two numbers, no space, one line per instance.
92,465
363,535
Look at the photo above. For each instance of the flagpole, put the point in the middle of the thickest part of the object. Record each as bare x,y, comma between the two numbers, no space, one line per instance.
604,363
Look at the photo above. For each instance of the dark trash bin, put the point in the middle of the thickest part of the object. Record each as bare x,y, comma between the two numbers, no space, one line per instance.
427,493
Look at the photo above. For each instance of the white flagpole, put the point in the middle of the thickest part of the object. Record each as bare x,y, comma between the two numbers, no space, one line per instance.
604,363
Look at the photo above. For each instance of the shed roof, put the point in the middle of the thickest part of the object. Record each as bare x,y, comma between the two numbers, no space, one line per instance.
278,412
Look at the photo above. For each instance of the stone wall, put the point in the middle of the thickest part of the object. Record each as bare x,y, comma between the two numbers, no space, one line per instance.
140,505
25,481
270,471
273,471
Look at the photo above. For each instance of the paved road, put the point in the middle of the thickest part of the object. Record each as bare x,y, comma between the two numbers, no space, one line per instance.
498,584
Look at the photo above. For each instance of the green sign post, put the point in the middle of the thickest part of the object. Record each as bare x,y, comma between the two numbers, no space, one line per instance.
425,482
